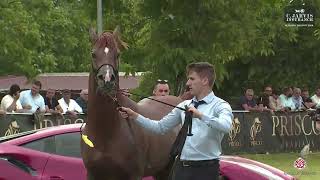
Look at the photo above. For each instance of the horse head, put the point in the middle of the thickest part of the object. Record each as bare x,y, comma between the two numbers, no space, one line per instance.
105,61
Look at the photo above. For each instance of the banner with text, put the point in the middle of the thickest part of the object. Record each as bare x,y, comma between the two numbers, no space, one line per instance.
251,132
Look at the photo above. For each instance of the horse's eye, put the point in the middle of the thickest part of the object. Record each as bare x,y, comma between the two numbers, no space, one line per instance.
93,55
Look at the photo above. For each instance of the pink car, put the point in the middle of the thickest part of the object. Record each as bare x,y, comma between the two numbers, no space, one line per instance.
54,154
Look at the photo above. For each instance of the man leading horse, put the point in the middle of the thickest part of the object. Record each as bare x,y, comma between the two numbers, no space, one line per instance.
212,118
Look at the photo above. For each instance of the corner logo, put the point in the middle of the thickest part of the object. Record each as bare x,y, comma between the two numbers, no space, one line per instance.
300,163
299,15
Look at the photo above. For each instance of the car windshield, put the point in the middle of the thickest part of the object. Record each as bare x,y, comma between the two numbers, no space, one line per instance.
14,136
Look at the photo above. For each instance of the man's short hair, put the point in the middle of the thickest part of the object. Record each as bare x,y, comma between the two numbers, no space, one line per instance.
37,83
204,69
160,81
14,88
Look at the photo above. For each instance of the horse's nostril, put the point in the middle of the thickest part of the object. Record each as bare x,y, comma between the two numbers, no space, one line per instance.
113,78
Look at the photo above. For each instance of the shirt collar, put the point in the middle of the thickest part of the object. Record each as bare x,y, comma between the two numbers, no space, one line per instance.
207,99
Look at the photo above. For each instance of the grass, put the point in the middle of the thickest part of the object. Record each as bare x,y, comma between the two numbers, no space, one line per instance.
285,161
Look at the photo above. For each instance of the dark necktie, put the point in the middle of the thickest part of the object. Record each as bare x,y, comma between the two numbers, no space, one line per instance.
187,126
188,118
198,103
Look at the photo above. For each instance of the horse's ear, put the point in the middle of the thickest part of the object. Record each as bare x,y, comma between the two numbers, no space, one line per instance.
93,35
121,44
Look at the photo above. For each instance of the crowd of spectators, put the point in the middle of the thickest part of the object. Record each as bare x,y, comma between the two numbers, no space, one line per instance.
31,101
290,99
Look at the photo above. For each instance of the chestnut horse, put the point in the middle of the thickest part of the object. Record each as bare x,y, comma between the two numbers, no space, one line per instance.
113,147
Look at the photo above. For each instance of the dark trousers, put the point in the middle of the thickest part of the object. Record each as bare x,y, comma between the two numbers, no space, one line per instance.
199,170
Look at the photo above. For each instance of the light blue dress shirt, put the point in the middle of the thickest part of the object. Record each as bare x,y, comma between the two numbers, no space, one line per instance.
205,144
26,98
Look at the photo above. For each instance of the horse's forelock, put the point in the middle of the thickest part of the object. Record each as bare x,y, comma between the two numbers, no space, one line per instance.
106,40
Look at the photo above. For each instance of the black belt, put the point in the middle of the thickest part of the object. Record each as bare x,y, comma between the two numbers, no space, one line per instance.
199,163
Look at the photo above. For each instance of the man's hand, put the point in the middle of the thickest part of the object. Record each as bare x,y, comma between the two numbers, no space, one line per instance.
195,112
128,113
27,107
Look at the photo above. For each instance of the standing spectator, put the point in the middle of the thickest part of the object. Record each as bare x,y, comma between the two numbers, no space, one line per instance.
263,101
68,105
201,152
51,102
247,102
306,99
275,103
286,99
316,98
161,88
297,99
31,100
83,100
11,102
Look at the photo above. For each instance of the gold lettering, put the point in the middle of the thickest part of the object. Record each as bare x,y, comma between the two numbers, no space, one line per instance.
290,121
81,121
235,144
283,125
314,129
256,143
48,121
297,123
274,124
67,121
302,126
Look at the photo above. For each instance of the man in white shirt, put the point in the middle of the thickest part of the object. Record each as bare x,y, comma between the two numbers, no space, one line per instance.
31,100
199,158
68,105
11,102
316,98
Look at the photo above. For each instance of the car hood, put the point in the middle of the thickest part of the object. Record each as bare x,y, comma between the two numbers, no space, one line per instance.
250,169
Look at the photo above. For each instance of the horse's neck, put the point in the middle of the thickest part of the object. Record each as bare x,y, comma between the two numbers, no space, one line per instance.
127,102
103,117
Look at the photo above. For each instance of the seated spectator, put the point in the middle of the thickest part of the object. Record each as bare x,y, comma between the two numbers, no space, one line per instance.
51,102
161,88
306,99
31,100
274,102
297,99
11,102
68,105
263,100
316,98
286,99
83,100
247,101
